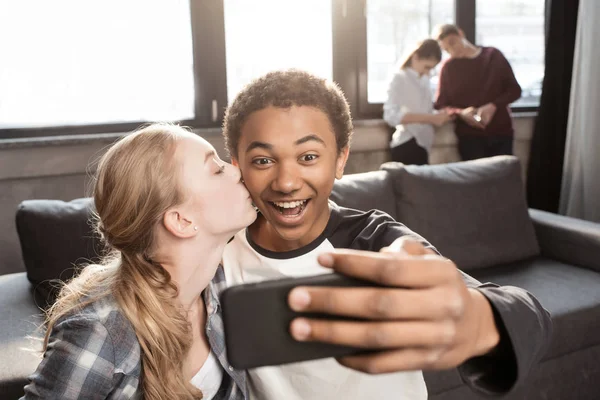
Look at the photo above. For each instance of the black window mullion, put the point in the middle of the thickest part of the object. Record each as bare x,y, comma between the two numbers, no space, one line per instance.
346,47
350,68
210,75
366,110
465,13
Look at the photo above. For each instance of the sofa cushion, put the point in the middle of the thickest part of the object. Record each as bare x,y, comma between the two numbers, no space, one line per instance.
568,292
571,296
473,212
365,191
55,237
19,352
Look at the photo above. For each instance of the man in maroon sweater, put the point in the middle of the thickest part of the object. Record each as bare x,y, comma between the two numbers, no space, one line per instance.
478,84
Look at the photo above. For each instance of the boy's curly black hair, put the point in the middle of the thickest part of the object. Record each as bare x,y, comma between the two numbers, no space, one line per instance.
285,89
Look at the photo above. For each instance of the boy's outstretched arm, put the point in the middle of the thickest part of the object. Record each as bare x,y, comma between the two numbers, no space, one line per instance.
431,317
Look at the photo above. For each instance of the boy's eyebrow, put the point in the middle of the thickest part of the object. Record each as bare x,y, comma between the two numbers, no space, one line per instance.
308,138
259,145
262,145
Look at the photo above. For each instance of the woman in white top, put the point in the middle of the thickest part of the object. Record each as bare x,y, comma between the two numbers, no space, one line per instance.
409,106
145,322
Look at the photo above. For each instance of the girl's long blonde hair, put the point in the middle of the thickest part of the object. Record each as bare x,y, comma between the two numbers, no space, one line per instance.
136,182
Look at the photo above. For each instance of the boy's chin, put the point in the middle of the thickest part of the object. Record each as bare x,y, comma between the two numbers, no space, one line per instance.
289,234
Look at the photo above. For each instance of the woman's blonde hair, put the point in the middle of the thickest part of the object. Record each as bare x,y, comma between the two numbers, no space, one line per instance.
136,182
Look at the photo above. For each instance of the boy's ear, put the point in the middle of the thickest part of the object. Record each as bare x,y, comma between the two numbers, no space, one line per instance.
341,162
235,162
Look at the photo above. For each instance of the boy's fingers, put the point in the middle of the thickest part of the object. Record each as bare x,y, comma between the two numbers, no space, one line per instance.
373,303
390,269
373,335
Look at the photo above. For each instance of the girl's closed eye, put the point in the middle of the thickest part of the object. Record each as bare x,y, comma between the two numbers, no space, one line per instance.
220,166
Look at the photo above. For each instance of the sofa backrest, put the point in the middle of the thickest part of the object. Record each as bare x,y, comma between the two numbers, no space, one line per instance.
366,191
473,212
55,238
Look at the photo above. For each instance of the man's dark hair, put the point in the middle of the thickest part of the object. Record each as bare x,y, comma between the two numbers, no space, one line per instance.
284,89
443,31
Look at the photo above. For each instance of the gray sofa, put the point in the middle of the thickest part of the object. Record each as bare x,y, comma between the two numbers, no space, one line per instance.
479,206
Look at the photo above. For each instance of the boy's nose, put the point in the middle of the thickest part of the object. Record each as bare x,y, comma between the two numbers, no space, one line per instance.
287,181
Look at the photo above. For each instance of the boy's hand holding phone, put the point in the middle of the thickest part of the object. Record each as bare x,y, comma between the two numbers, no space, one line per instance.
425,317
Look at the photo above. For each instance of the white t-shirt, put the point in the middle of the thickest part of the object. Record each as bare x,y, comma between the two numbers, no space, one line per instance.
209,378
326,378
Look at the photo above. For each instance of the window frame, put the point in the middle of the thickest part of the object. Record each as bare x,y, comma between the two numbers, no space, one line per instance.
210,84
465,17
349,47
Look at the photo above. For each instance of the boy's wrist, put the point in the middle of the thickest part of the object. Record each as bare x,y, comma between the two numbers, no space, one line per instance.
488,335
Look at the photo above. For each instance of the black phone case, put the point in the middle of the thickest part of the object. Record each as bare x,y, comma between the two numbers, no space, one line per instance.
257,319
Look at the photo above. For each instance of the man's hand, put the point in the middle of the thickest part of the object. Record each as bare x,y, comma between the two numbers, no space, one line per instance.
486,113
470,116
426,318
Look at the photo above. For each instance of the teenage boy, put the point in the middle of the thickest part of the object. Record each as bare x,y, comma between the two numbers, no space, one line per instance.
289,133
478,84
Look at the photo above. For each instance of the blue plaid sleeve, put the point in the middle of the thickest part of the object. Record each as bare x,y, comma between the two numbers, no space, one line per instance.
78,362
235,388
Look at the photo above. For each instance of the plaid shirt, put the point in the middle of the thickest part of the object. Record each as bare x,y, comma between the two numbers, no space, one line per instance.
95,354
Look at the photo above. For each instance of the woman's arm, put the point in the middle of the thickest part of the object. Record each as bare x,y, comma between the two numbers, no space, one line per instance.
396,111
78,363
394,107
438,119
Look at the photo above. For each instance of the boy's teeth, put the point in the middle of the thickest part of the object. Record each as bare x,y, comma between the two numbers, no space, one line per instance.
289,204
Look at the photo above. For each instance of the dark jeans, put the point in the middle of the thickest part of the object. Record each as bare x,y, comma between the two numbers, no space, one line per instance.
474,147
410,153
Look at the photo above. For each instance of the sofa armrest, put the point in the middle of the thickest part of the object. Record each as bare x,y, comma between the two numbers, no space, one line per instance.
567,239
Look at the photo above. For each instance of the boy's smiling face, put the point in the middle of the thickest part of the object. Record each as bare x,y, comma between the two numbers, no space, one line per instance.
289,160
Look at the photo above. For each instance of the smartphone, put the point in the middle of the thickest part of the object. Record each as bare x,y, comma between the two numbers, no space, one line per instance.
257,318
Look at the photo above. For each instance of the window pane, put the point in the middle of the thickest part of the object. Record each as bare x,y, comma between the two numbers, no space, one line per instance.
265,35
516,28
393,29
71,62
